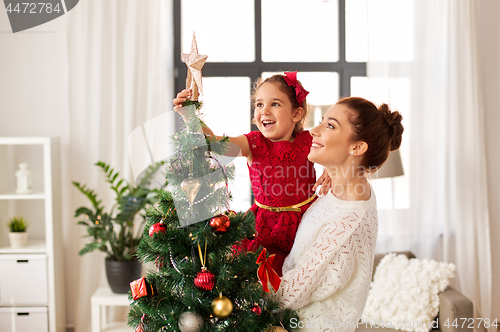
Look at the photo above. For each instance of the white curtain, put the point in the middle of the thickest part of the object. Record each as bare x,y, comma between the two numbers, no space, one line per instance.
426,50
121,75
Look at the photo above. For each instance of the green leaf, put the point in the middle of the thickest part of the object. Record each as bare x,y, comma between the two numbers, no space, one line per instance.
112,176
119,184
17,224
90,195
114,232
89,247
83,210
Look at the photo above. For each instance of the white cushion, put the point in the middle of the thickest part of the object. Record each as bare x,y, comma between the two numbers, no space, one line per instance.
404,292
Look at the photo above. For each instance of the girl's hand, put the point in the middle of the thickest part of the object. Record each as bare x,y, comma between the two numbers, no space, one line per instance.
325,181
181,98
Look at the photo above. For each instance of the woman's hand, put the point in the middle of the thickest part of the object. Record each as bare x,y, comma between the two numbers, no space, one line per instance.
181,98
325,182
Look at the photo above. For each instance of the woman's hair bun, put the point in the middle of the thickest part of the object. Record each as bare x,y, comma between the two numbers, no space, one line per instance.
393,120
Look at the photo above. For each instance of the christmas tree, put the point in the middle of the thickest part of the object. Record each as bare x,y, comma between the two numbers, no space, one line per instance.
200,283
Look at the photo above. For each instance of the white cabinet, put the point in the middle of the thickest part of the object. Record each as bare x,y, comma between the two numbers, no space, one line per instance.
23,280
23,319
31,278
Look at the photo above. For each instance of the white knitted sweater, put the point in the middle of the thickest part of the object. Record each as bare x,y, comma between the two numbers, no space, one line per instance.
326,276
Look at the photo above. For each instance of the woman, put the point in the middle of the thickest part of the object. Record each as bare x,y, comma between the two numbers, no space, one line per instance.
326,276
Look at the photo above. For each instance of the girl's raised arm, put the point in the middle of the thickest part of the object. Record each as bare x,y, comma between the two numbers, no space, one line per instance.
240,145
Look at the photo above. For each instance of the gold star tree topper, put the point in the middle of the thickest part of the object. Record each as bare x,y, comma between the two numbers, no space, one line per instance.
194,63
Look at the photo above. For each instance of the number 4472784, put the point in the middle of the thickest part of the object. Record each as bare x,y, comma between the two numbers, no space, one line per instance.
31,8
470,322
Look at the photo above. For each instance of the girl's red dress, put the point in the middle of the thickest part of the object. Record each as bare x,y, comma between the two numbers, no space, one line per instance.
281,175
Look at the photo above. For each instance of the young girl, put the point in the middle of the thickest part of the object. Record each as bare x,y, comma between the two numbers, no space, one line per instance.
283,179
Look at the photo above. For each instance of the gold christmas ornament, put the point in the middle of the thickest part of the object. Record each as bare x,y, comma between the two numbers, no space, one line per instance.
194,63
222,307
230,213
275,329
190,187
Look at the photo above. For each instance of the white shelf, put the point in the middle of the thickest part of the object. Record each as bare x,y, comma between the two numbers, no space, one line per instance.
102,298
44,153
32,247
24,140
35,195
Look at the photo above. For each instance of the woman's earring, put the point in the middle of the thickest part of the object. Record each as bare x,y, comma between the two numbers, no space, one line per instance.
351,152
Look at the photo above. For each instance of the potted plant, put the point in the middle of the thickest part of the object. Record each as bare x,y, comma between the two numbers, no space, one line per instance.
117,232
18,235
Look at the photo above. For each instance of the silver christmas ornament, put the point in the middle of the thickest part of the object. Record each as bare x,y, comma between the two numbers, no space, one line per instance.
190,322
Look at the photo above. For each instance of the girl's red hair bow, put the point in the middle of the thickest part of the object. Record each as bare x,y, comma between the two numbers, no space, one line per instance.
266,273
291,79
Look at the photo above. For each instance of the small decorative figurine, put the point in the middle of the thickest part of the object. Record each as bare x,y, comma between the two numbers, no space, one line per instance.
24,179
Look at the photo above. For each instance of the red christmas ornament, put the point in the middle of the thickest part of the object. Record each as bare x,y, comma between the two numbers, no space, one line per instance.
158,227
205,280
220,224
139,328
256,310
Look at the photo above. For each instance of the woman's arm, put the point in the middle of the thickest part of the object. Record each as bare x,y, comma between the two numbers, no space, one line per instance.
240,146
323,269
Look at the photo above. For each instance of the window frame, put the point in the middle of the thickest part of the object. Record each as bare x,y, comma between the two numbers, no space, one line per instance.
254,69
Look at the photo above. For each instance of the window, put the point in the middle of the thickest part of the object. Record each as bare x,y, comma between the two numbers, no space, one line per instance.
247,39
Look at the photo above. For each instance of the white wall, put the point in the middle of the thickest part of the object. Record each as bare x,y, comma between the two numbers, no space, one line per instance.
34,96
489,43
33,80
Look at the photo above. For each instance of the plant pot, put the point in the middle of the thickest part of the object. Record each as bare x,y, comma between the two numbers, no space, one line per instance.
18,239
121,273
